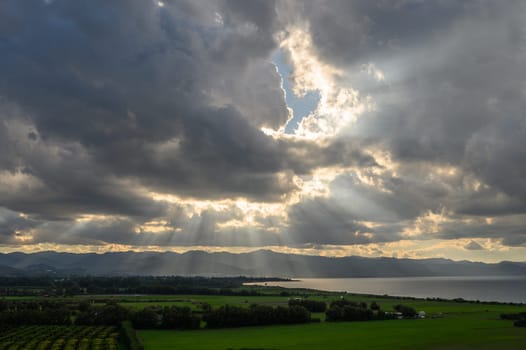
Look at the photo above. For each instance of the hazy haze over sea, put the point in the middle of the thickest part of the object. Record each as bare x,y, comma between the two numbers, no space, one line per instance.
490,288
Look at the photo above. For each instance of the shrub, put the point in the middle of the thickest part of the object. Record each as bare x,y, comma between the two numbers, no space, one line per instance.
515,316
407,311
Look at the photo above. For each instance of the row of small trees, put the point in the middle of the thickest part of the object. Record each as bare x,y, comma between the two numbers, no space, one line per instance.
222,317
174,317
21,317
17,313
165,318
255,315
345,310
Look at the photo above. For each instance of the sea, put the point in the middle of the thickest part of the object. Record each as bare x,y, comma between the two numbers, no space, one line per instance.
508,289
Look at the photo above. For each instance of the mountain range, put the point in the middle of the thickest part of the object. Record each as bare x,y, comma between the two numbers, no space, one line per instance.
257,263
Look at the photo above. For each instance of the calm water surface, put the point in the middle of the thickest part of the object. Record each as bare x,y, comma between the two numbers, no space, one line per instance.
501,288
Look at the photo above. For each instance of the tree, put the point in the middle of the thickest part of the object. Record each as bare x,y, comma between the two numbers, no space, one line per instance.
374,306
407,311
179,318
145,319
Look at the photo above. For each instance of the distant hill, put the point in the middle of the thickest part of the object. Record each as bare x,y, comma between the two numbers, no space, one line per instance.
10,271
258,263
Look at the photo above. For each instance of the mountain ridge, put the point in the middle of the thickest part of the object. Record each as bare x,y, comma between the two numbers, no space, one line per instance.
256,263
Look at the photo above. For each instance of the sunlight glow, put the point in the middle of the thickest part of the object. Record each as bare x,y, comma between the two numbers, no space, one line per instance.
339,105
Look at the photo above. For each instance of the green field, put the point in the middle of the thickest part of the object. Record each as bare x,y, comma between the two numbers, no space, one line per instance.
449,325
473,331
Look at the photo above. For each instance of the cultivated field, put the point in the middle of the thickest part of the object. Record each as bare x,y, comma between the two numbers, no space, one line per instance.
60,338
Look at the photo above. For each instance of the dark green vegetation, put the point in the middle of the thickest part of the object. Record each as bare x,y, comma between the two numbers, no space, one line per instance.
311,305
519,318
256,315
60,338
346,310
272,317
167,285
130,336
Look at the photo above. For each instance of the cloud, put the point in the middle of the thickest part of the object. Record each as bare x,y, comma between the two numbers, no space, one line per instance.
447,109
472,245
145,125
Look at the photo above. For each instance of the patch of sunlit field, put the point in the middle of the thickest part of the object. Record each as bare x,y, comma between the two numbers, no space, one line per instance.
468,330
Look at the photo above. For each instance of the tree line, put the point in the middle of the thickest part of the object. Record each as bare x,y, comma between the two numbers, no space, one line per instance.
162,285
256,315
86,313
346,310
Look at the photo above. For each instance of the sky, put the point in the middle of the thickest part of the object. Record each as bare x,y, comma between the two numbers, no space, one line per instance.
372,128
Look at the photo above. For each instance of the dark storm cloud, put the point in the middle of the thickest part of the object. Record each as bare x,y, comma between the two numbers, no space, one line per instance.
57,180
122,79
346,32
170,97
11,224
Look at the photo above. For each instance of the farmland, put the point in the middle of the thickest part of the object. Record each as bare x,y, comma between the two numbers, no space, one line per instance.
256,318
60,338
448,325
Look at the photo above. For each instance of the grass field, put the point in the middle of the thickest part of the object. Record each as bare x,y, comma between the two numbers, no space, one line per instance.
450,325
467,331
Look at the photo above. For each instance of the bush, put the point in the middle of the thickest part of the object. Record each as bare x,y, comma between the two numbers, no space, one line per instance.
407,311
348,313
515,316
345,302
520,323
353,313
